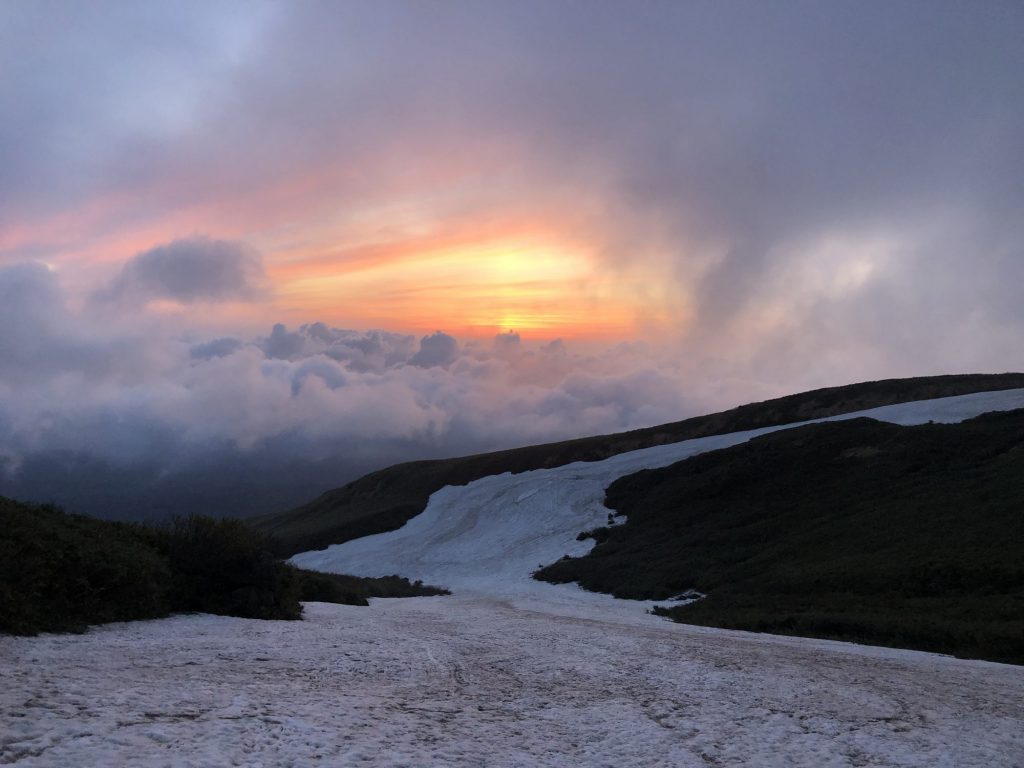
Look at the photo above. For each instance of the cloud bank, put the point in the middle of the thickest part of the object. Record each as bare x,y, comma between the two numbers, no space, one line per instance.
141,421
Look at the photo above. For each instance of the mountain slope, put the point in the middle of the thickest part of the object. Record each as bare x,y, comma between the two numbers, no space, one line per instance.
487,537
386,499
858,530
518,673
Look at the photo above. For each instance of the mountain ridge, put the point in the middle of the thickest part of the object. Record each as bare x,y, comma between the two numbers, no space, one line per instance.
386,499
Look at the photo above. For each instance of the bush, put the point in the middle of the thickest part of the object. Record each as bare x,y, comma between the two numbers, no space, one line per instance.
62,572
225,567
324,588
354,590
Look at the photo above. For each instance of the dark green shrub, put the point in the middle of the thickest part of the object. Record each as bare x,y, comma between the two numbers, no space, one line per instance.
354,590
322,588
226,567
62,572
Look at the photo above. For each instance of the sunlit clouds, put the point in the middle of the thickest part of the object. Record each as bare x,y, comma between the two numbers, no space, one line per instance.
474,286
334,235
108,416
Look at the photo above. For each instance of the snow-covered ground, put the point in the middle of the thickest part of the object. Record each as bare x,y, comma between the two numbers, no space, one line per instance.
471,681
506,672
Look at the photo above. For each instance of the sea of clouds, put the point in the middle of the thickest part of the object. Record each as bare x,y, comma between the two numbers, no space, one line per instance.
111,408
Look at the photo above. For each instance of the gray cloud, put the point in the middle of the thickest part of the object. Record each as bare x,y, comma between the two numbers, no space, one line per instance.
42,338
190,270
141,422
229,425
438,349
283,345
222,347
507,344
32,315
93,98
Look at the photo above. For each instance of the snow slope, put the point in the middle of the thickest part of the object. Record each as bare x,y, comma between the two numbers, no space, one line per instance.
468,681
488,536
506,672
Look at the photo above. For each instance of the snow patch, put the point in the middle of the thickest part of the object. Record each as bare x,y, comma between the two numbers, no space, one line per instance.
487,537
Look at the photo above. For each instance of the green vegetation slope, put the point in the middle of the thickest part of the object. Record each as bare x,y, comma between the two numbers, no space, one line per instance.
386,499
856,530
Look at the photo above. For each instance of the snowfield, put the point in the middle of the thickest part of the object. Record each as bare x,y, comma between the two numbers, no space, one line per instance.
470,681
490,535
506,672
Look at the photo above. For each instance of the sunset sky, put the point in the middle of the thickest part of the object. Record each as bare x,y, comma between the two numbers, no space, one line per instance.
298,241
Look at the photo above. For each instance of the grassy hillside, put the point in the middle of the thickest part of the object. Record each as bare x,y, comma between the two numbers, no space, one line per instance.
61,572
385,500
856,530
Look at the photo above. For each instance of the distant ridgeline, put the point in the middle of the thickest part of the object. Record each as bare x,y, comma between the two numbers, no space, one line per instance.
61,572
854,530
387,499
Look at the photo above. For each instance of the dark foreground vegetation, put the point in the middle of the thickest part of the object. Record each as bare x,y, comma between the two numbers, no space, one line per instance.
62,572
387,499
858,530
356,590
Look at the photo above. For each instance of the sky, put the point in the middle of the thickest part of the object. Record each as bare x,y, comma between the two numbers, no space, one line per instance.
250,250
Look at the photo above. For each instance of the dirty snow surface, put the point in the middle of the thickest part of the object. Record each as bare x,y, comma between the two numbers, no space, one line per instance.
506,672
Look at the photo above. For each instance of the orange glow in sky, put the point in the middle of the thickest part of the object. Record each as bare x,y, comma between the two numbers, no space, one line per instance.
403,270
535,285
404,258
